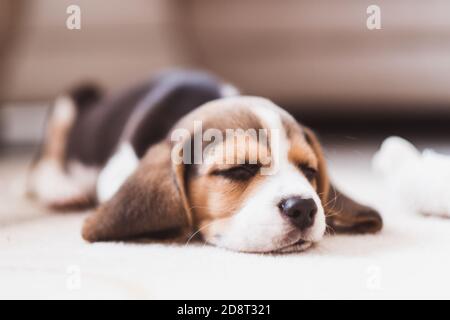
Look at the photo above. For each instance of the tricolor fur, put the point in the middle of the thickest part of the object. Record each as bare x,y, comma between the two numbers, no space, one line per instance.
120,152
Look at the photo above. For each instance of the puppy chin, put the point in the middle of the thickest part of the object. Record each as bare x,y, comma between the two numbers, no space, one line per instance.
241,237
290,243
313,236
296,247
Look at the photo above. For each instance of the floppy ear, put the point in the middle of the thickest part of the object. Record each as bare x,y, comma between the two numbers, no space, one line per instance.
344,215
151,200
323,182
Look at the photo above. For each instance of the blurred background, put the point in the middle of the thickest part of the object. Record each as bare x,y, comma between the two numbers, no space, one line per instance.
316,58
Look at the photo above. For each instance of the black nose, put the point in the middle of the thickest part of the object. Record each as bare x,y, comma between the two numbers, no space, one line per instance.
301,212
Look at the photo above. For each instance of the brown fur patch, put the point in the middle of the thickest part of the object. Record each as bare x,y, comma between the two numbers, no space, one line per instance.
150,201
215,197
323,182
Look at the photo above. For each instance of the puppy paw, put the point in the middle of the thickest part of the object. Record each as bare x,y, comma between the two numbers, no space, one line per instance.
71,203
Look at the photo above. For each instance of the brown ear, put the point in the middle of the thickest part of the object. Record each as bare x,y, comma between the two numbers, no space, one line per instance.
323,182
151,200
344,215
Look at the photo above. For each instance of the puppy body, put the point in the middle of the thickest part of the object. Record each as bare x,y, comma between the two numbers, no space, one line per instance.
93,144
274,194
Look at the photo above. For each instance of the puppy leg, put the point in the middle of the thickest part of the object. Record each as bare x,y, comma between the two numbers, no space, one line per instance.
57,189
51,181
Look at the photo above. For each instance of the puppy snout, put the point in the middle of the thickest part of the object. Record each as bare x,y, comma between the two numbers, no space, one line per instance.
301,212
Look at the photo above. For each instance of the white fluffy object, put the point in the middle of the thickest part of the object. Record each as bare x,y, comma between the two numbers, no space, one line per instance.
418,181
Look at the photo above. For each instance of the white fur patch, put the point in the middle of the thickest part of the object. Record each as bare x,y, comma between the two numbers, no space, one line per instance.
116,172
83,176
229,90
54,187
64,112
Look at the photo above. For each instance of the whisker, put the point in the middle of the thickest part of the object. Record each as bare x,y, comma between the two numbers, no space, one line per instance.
200,229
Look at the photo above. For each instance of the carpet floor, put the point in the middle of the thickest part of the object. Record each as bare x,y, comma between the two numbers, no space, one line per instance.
43,256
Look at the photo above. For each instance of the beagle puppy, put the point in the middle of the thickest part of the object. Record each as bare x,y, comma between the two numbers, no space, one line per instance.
184,152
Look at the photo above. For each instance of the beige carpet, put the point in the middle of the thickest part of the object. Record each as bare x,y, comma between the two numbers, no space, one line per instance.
43,256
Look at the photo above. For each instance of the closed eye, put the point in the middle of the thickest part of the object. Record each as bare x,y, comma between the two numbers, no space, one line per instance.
239,173
309,172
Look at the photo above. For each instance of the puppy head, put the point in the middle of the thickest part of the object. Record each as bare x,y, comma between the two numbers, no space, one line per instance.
260,184
259,188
